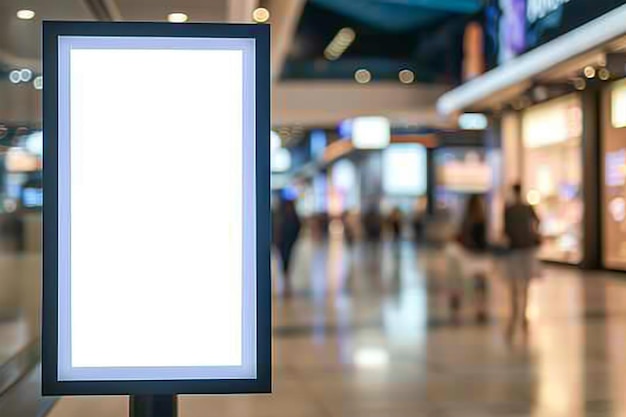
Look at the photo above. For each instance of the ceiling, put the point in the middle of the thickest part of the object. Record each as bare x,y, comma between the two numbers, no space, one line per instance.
20,39
420,39
400,15
421,35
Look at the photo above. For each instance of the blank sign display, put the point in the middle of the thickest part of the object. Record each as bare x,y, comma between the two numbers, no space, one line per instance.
156,209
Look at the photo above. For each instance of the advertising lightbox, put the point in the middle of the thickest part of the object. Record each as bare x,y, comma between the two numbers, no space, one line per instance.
371,132
404,170
144,294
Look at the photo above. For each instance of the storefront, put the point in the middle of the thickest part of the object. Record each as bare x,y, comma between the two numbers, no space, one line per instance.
613,215
556,111
552,174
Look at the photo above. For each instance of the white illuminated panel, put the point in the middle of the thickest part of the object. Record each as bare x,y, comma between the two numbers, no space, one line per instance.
404,169
371,132
473,121
618,105
152,280
281,160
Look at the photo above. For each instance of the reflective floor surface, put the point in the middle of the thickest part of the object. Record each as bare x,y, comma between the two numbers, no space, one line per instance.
368,331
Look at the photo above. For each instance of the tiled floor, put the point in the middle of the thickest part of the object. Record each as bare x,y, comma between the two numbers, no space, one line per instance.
19,302
367,332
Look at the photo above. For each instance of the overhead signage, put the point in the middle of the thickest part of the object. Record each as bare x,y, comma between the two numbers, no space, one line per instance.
538,9
143,294
514,27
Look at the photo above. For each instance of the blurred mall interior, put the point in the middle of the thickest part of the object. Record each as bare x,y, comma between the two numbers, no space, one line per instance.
391,120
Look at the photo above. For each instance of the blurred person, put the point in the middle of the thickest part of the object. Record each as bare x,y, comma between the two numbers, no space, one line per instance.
348,227
521,228
13,228
286,230
472,238
372,224
418,225
372,230
395,222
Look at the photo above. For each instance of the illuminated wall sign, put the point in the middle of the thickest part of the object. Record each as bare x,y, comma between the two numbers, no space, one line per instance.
144,294
473,121
538,9
371,132
552,122
618,105
404,170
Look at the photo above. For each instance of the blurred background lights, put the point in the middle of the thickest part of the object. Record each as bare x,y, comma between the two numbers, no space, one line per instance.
15,77
261,15
406,76
275,141
533,197
25,14
371,358
604,74
579,84
38,82
281,160
338,45
473,121
177,17
362,76
25,75
34,143
540,93
589,71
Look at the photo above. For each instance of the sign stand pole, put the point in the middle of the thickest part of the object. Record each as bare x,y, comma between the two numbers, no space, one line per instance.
153,406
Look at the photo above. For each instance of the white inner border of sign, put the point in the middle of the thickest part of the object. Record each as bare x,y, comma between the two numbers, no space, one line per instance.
249,337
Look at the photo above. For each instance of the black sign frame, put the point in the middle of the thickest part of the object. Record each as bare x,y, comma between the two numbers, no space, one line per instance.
51,385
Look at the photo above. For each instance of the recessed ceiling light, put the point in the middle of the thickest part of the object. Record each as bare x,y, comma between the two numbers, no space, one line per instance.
15,77
25,14
177,17
339,43
38,82
579,84
26,75
406,76
362,76
604,74
261,15
589,72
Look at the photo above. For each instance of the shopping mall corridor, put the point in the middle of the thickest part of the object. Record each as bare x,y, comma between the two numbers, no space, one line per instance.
367,332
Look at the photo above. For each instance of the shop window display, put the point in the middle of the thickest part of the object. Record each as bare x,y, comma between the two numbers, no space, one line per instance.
552,175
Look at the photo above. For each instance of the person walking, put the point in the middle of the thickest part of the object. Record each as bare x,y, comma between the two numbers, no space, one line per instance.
395,222
521,227
286,230
473,240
